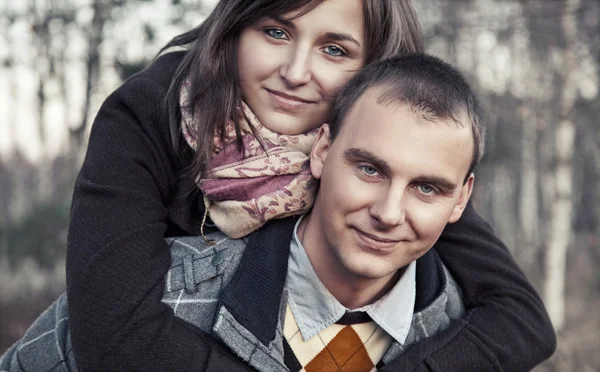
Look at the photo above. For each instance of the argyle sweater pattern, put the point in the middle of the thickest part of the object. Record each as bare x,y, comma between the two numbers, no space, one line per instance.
354,343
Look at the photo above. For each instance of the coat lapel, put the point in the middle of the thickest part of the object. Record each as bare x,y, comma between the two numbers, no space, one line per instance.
249,319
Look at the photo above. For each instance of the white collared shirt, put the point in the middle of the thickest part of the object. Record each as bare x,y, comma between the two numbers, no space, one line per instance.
315,308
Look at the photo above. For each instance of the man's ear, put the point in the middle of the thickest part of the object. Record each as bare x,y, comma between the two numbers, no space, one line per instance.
319,151
465,194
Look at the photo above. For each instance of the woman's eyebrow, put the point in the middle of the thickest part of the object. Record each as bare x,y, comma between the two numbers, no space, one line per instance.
336,36
285,22
339,36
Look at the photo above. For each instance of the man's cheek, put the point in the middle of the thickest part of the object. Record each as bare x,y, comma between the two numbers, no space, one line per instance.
430,219
350,191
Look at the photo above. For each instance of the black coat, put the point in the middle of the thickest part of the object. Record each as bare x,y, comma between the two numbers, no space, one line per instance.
129,196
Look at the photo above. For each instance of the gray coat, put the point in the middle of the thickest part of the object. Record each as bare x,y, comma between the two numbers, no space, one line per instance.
235,292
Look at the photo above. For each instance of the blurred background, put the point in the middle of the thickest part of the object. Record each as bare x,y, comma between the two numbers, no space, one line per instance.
534,63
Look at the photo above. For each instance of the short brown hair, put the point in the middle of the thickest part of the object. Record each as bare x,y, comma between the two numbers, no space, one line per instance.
431,87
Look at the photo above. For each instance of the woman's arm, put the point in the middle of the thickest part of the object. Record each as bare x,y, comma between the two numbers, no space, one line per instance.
117,256
506,325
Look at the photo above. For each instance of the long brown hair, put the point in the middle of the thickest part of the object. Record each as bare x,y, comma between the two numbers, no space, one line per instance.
391,27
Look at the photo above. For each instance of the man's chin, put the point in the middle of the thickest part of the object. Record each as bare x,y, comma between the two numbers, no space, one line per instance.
367,271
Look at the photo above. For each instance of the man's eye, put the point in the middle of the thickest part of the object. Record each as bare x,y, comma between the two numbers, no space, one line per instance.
276,33
426,189
334,51
369,170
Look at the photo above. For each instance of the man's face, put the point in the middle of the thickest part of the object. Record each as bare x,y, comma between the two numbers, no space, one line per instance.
390,182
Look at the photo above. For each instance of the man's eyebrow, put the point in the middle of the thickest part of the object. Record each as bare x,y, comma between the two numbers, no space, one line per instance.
441,182
361,155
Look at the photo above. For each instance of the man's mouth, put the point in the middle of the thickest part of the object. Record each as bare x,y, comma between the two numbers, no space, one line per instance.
376,242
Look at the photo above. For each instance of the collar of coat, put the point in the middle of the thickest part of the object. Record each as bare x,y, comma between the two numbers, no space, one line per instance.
255,300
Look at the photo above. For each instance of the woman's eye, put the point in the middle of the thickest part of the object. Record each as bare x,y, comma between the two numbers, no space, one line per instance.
276,33
369,170
334,51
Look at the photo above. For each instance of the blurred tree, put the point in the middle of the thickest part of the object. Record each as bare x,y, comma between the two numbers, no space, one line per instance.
534,64
561,218
95,34
39,236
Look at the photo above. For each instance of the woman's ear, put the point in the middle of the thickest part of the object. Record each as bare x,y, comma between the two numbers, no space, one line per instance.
318,154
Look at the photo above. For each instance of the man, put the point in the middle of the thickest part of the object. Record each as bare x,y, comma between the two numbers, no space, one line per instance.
395,168
354,283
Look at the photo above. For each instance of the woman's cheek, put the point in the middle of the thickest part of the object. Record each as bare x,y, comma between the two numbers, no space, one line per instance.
333,79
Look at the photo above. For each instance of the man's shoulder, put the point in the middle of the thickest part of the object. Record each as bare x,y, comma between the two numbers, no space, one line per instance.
200,246
443,301
201,267
205,256
429,279
438,302
435,286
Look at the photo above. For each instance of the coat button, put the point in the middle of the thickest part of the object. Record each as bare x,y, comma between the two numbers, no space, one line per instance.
217,259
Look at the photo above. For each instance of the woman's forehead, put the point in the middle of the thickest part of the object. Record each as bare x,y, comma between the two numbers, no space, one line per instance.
300,10
286,9
335,14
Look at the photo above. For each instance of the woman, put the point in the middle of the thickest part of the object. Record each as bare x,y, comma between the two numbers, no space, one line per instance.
285,60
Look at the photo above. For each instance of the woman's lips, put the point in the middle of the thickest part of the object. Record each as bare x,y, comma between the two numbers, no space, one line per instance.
287,102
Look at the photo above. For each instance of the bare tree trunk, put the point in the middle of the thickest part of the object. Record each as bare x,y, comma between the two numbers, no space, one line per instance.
503,191
42,65
528,203
13,108
101,10
41,62
561,227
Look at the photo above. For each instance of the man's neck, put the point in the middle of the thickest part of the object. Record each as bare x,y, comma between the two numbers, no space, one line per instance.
351,290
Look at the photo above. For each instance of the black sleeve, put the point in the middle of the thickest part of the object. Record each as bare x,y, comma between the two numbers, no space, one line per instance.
116,254
506,327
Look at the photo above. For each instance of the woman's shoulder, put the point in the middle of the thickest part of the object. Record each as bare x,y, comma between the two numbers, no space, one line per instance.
159,73
143,95
137,109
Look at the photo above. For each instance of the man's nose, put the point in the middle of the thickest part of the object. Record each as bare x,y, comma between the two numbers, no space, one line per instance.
389,210
296,70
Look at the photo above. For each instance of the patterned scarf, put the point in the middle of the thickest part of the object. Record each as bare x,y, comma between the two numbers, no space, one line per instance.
245,189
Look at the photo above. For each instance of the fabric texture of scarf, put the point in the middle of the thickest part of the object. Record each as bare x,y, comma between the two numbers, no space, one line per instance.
245,189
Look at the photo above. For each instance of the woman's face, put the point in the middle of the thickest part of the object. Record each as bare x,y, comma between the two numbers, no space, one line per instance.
291,69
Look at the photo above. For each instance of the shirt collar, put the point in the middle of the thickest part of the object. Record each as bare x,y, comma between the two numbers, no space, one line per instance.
315,308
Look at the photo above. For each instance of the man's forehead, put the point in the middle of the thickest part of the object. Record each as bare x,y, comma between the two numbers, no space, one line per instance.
385,97
395,135
370,113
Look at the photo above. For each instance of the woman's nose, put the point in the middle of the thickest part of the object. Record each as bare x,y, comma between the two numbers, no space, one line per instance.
296,71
